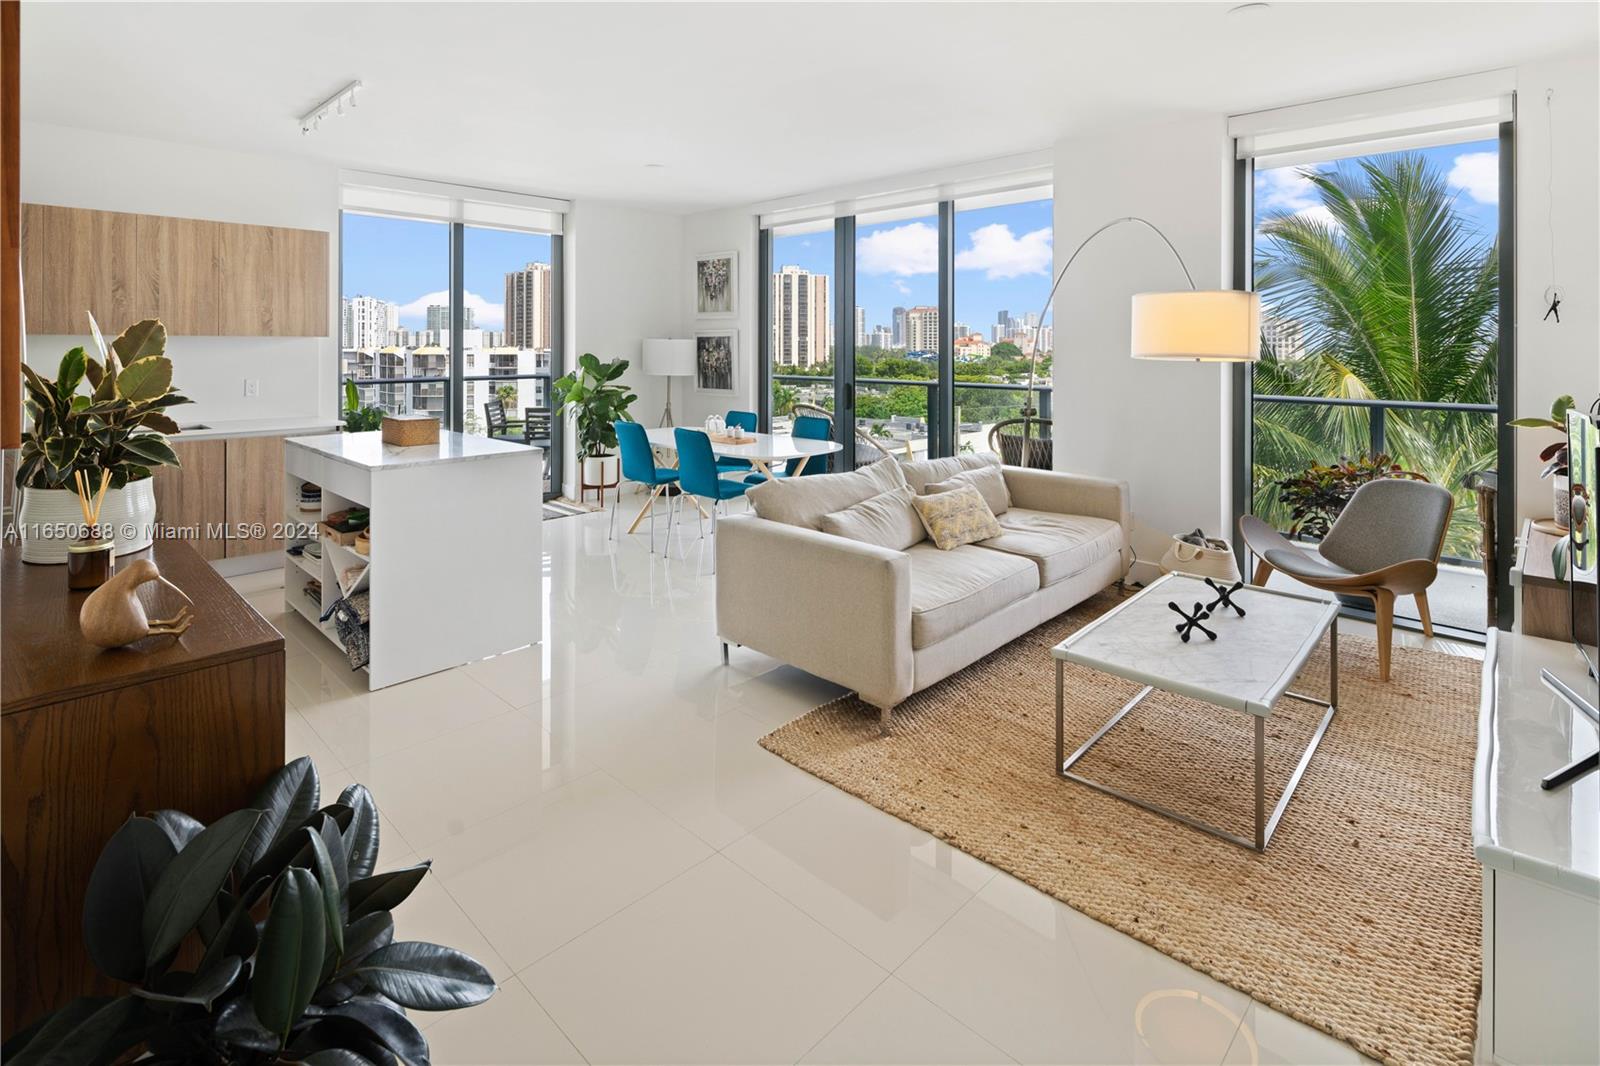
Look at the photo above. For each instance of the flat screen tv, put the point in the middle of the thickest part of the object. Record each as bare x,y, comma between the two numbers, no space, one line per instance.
1583,590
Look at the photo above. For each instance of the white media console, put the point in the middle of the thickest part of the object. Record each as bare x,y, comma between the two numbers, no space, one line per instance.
1540,852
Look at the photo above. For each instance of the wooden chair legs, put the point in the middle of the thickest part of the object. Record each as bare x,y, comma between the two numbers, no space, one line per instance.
1422,613
1263,571
1383,607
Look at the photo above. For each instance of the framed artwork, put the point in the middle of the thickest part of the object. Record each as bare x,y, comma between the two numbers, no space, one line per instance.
716,284
714,360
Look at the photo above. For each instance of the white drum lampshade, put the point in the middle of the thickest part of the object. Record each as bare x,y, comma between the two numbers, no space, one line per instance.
668,358
1209,326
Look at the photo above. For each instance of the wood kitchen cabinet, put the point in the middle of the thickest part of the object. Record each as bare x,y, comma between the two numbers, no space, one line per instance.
191,498
201,278
75,261
254,493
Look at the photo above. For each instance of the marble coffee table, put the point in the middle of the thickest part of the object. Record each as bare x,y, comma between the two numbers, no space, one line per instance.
1247,669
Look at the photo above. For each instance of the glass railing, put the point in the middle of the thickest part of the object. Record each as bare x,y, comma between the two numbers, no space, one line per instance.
1444,442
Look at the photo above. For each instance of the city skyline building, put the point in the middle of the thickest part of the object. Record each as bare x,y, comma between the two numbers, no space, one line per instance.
528,307
801,328
367,321
439,319
897,327
922,329
861,326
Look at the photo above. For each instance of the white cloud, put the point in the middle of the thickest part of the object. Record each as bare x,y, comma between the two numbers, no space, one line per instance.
1285,190
1000,254
1478,173
485,315
903,250
901,287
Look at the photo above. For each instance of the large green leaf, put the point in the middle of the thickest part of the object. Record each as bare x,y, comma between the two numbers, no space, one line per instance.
238,1027
361,839
196,989
178,826
113,907
151,448
288,798
41,390
328,881
190,883
289,961
385,891
145,380
235,933
74,1035
140,341
425,976
159,422
70,374
99,340
388,1024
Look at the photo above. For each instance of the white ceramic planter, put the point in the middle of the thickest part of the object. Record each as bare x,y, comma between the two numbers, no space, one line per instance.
48,519
600,470
1562,488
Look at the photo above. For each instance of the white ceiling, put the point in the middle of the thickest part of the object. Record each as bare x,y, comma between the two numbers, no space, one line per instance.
741,102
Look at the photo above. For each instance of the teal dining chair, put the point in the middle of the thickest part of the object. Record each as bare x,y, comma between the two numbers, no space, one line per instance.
745,420
639,465
810,427
698,476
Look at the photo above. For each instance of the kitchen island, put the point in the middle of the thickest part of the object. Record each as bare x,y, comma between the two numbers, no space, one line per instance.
452,569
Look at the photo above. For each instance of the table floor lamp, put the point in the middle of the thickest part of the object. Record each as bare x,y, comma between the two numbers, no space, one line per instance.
668,359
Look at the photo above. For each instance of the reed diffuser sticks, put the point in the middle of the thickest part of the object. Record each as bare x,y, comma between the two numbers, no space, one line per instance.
91,505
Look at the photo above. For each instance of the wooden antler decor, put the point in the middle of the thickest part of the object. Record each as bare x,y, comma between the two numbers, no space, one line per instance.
113,616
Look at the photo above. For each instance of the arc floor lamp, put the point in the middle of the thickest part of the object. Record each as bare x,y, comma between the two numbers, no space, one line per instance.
1200,325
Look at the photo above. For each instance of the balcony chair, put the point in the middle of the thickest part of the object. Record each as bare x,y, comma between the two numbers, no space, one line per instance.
698,476
639,465
1023,447
1385,543
494,412
536,422
745,420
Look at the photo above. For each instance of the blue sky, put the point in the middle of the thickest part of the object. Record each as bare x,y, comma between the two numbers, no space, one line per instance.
1002,262
1471,170
409,263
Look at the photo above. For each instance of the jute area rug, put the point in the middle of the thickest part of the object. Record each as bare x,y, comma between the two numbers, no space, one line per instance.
1361,918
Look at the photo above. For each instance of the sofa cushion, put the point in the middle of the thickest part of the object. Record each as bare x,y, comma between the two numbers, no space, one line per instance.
988,480
951,590
802,501
1060,544
956,517
924,472
887,520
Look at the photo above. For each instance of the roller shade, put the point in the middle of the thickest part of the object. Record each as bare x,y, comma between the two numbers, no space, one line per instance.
1011,179
386,194
1413,116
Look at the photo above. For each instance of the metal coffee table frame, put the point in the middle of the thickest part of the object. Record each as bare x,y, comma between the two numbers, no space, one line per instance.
1264,826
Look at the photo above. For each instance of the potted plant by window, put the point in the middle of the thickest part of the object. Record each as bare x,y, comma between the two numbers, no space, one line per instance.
1554,457
596,402
119,423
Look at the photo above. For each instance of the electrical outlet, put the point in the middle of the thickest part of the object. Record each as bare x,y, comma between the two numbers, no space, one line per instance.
252,388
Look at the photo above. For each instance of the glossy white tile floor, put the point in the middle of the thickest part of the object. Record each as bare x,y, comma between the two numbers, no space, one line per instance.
650,886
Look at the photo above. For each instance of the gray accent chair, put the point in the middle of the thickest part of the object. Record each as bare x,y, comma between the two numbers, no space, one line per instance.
1385,543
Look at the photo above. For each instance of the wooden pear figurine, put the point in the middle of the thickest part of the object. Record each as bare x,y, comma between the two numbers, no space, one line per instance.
113,616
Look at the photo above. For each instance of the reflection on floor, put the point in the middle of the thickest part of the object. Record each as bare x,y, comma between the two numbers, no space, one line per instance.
649,885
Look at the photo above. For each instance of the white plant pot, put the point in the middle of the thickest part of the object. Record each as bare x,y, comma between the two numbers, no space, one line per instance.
1561,486
49,519
600,470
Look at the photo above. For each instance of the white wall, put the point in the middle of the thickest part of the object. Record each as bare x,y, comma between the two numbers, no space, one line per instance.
732,230
1160,426
625,275
1552,359
1164,428
110,172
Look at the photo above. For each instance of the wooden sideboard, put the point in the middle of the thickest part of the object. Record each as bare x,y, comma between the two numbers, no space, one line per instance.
201,278
88,737
1544,607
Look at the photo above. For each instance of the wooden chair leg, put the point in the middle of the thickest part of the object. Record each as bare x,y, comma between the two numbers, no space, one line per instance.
1263,571
1383,607
1422,613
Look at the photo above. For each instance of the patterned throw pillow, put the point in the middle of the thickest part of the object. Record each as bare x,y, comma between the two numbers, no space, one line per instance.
956,517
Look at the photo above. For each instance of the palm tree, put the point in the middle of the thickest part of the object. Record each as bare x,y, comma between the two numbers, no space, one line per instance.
1395,297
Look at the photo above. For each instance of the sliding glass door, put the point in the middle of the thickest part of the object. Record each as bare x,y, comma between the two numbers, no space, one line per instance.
914,328
1380,276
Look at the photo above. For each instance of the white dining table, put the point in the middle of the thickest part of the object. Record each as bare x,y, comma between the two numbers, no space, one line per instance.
763,450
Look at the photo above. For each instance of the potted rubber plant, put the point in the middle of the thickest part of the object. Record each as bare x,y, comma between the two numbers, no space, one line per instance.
1554,457
265,937
595,401
106,414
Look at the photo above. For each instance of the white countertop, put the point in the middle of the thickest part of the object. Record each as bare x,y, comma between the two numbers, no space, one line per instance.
252,427
367,450
1524,732
766,447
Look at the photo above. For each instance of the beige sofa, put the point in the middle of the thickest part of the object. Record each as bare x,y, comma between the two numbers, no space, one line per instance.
888,622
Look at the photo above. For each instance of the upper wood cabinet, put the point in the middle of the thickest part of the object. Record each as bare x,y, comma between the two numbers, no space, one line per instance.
203,279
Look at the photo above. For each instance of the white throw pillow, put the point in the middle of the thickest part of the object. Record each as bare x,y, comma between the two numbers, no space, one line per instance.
802,501
887,520
990,481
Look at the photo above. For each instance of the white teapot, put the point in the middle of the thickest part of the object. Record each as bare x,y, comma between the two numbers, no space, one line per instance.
715,426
